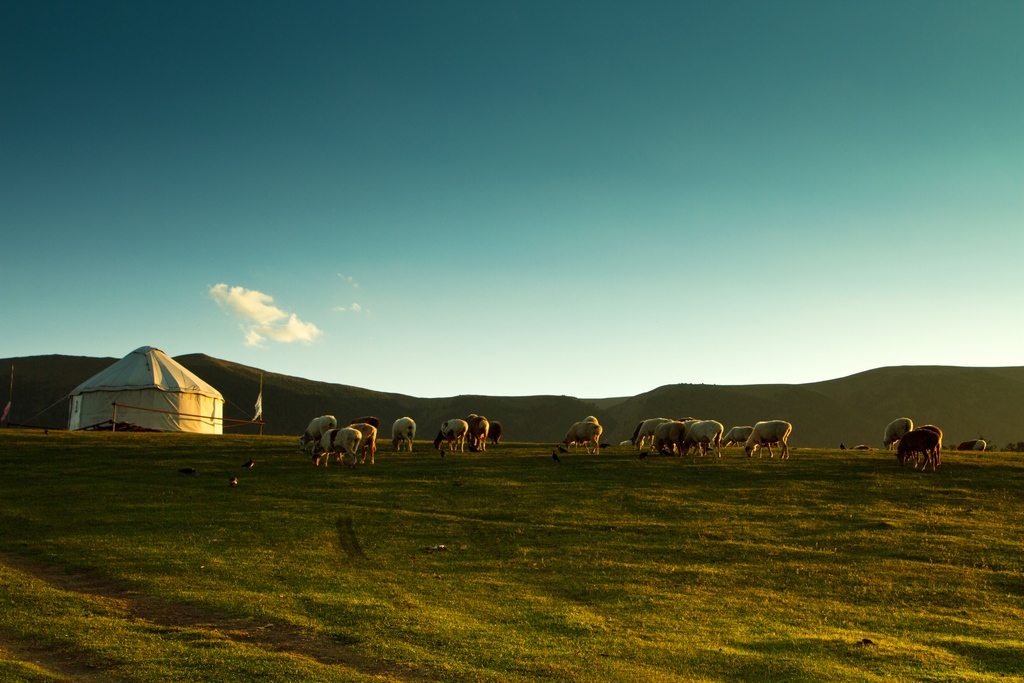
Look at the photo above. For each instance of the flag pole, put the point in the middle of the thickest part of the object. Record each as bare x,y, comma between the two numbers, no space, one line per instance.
10,398
259,402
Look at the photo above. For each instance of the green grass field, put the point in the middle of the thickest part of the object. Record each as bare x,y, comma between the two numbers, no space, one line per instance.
504,566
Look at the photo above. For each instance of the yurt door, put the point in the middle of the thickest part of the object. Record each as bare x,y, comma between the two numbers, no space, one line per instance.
75,419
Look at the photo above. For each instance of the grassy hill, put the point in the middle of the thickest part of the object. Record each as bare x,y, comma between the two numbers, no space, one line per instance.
501,567
966,402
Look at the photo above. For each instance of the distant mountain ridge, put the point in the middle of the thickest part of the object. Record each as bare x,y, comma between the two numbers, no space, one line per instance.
967,403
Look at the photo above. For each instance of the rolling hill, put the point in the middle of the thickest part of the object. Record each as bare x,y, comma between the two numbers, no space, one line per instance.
967,403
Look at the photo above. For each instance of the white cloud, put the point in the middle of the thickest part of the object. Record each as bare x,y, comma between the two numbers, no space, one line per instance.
355,308
261,319
350,280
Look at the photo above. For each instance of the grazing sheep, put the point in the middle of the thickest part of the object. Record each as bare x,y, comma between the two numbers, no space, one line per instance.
403,431
645,431
673,436
494,433
938,450
862,447
933,428
896,429
318,426
700,447
368,420
703,434
919,441
736,435
586,432
767,433
369,441
454,432
669,436
345,442
972,445
478,426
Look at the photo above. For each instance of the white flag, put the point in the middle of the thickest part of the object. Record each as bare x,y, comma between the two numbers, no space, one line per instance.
259,407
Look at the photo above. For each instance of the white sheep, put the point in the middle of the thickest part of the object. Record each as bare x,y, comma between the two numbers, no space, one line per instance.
345,442
318,426
454,432
684,448
403,431
703,434
736,435
586,432
645,431
895,431
477,426
765,434
369,440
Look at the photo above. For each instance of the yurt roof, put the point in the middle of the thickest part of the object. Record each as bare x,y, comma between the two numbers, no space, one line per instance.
147,368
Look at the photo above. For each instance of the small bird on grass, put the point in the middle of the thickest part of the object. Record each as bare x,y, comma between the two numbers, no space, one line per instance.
643,454
249,464
188,470
233,481
554,456
442,452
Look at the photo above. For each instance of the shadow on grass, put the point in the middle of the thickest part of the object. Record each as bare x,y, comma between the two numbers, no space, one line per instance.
1004,659
347,539
201,626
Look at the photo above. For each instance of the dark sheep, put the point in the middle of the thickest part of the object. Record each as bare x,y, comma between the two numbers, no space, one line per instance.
494,432
919,442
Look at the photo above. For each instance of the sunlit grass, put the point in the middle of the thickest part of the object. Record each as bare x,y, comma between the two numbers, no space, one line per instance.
596,568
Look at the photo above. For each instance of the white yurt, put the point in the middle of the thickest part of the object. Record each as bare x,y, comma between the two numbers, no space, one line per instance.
151,390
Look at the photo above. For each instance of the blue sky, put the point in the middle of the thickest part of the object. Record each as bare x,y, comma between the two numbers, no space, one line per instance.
580,198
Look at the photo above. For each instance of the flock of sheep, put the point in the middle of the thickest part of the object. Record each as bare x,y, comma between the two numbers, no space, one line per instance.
921,444
680,436
359,439
666,436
